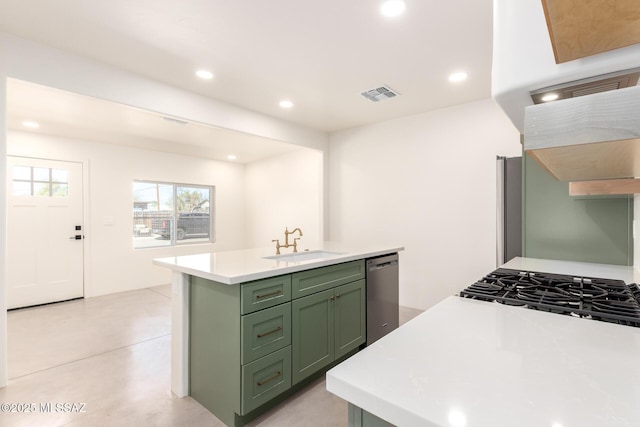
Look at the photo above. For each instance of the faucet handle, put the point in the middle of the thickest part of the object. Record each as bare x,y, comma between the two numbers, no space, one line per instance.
277,246
295,244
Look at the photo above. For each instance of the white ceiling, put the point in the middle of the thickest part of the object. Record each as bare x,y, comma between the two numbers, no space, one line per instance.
321,55
83,118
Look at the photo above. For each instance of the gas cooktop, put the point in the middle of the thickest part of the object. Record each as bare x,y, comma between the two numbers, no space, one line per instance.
598,299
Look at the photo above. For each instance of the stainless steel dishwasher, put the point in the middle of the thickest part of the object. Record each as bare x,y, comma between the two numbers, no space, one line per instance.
382,296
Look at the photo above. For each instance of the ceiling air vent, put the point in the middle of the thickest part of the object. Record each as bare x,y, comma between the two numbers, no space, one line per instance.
379,94
597,84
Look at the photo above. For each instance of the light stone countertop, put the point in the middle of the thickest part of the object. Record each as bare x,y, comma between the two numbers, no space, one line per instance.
470,363
232,267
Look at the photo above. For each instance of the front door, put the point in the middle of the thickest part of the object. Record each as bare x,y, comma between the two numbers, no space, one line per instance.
44,231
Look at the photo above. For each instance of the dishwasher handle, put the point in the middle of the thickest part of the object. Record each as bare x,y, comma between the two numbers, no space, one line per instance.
382,262
382,265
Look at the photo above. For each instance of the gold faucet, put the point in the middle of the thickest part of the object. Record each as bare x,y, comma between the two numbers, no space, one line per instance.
286,240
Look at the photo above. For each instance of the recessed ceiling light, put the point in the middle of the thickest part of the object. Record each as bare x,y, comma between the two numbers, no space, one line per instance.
550,97
457,418
458,77
231,157
391,8
204,74
285,103
30,124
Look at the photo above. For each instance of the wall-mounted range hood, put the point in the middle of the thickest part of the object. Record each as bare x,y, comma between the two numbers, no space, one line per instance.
591,137
593,134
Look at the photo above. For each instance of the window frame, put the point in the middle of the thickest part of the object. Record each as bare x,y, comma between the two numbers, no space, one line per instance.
174,214
53,185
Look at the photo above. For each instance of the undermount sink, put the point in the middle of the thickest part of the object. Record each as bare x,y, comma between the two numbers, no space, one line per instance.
303,256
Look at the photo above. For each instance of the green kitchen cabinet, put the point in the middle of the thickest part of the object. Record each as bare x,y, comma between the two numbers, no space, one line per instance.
248,342
327,326
358,417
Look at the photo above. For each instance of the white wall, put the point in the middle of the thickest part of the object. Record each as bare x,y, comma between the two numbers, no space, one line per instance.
4,376
114,265
427,182
285,191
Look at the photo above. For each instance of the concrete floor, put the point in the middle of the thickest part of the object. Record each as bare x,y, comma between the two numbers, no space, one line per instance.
105,361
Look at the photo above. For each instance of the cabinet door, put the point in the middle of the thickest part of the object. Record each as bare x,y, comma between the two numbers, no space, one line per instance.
313,334
350,317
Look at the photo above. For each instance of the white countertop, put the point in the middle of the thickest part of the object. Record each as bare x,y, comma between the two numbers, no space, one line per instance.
231,267
469,363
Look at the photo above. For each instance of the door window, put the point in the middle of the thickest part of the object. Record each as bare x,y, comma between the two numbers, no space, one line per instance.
39,181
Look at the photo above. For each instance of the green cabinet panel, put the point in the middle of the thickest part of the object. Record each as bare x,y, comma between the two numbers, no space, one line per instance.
265,378
319,279
312,342
596,229
350,317
265,293
358,417
265,331
214,347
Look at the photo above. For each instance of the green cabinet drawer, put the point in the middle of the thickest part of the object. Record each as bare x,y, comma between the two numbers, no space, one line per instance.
265,331
265,378
265,293
309,282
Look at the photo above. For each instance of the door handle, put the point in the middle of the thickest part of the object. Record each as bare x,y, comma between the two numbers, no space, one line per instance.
76,237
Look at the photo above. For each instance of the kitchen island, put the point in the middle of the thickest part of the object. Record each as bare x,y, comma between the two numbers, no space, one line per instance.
468,362
248,325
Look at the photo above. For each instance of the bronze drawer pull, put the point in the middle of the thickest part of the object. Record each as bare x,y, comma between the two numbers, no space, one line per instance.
279,328
277,374
278,292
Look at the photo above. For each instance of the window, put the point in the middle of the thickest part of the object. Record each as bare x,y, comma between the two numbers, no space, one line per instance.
166,214
44,182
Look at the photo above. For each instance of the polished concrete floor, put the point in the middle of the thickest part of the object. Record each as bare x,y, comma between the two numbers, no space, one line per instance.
105,361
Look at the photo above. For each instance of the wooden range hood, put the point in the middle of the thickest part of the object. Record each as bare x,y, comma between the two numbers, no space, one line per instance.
594,141
582,28
593,137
